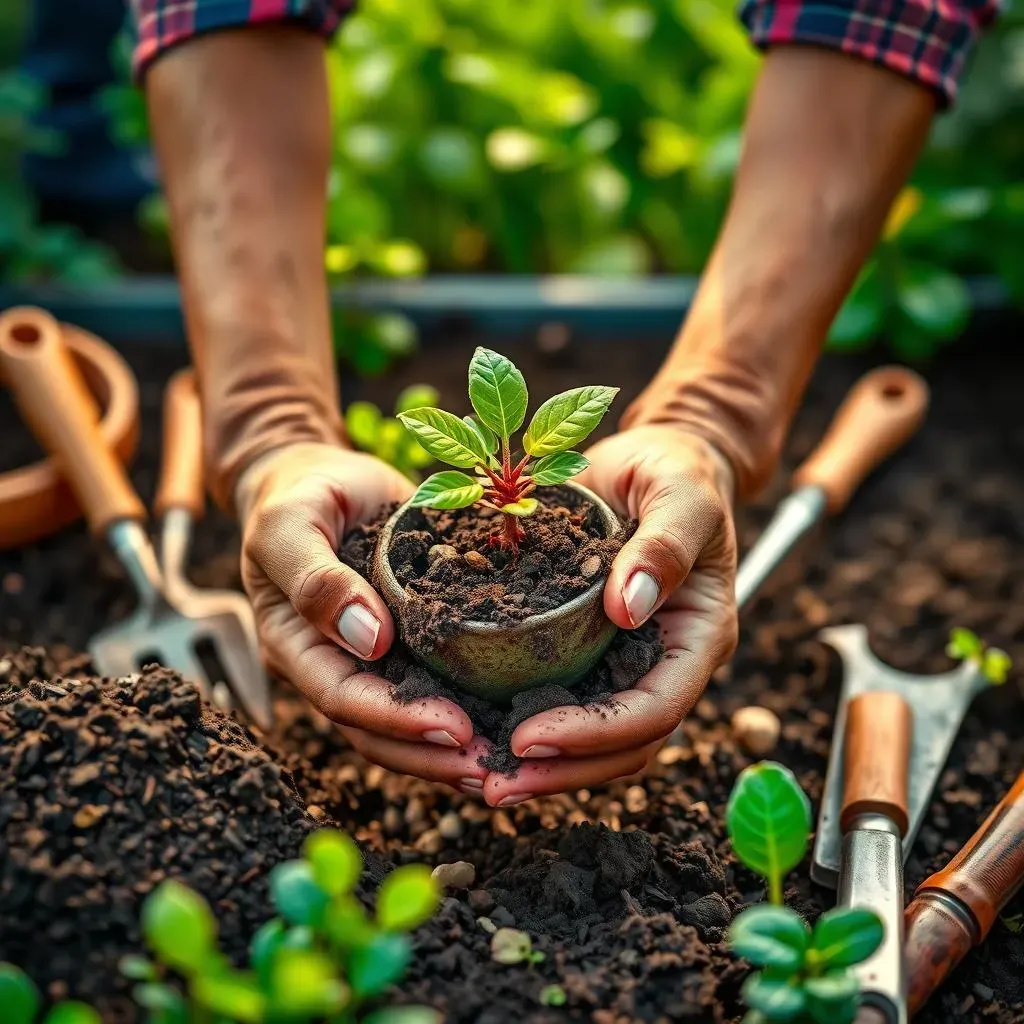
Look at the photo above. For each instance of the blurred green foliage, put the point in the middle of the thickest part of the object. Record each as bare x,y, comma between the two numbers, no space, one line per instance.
600,136
385,436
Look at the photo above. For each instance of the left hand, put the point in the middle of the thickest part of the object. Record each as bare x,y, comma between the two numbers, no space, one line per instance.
681,565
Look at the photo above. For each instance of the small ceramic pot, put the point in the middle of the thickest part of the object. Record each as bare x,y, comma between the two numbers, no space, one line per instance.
496,662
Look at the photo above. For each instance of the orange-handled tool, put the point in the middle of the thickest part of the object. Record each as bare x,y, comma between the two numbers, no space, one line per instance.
954,909
883,410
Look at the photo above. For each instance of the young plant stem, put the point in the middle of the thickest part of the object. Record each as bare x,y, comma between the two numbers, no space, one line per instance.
775,890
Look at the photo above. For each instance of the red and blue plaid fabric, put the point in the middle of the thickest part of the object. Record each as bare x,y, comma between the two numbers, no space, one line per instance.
161,24
926,40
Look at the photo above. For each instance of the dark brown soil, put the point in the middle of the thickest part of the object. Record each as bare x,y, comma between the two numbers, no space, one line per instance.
631,927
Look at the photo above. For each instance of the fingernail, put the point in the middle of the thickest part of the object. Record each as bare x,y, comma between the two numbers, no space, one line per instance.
472,785
640,595
442,738
359,627
540,750
514,798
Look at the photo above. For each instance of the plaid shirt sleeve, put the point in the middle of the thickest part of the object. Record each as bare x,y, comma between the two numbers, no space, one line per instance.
925,40
161,24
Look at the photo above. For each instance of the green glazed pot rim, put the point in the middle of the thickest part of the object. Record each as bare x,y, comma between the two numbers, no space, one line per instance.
388,582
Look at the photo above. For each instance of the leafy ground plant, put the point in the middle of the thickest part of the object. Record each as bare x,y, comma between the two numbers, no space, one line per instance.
323,958
20,1002
483,443
384,436
967,646
806,974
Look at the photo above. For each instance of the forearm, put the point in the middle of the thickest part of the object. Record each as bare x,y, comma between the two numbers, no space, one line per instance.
242,134
828,142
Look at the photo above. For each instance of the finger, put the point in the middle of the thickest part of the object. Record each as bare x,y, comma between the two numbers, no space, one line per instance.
293,541
696,646
542,778
679,516
460,768
332,682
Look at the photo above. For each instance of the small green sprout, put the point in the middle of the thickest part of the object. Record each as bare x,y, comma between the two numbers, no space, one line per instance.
511,946
20,1001
553,995
965,645
322,957
806,976
384,436
498,394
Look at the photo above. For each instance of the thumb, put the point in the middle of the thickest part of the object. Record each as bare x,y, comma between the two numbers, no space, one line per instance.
679,516
293,548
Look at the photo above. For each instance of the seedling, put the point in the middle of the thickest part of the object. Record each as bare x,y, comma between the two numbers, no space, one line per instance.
965,645
503,481
20,1001
806,974
371,431
553,995
321,957
511,946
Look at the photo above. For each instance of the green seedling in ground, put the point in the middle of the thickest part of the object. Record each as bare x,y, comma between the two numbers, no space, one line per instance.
553,995
20,1002
511,946
323,958
384,436
501,480
965,645
806,974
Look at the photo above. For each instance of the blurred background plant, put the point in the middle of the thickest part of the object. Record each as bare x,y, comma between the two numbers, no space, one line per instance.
385,436
600,137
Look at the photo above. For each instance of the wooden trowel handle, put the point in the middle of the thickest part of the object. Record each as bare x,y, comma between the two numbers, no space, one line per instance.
881,413
876,766
181,470
58,408
954,909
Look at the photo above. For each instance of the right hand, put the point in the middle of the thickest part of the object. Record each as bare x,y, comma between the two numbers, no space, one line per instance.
313,613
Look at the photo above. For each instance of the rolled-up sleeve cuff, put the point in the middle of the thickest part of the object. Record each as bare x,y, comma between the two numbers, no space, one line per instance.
927,41
161,24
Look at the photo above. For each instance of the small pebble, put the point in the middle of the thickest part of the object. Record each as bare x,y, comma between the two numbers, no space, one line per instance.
636,799
441,551
670,755
487,924
591,566
756,729
430,842
414,810
477,561
460,875
502,917
502,825
481,901
392,821
450,825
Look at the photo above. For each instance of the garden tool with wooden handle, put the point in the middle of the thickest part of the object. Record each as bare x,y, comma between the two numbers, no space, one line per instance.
53,400
883,410
954,909
874,820
180,502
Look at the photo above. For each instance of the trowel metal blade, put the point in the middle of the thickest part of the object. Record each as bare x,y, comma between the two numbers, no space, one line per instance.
938,702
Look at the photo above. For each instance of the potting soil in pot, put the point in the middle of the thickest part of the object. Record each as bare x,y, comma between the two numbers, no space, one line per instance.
625,888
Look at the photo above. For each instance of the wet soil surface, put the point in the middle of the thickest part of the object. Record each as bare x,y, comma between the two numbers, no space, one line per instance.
626,889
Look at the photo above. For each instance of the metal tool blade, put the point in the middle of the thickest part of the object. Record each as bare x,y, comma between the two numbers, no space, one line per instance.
938,702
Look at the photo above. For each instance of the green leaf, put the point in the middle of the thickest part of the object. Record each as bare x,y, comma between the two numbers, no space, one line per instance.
779,999
510,946
18,995
72,1012
770,936
446,437
553,995
567,419
417,396
832,998
498,392
305,983
295,893
335,859
269,938
522,507
933,299
231,994
362,423
179,927
381,963
769,821
488,436
860,318
138,968
450,489
165,1005
844,937
404,1015
964,644
996,665
557,468
346,923
408,897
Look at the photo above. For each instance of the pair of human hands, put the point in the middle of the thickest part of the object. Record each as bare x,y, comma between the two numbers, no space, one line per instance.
313,613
